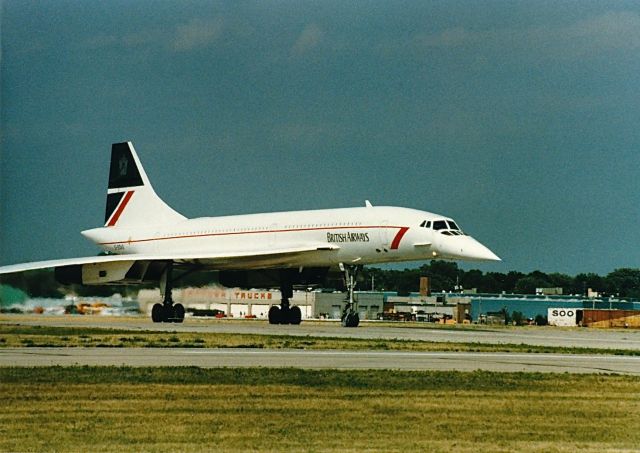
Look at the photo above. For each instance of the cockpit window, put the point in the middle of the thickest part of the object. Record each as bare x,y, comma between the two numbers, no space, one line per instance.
439,225
446,227
424,222
428,225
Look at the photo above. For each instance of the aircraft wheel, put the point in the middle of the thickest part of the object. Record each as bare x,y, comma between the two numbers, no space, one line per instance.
285,315
156,313
295,315
351,320
275,317
167,312
178,313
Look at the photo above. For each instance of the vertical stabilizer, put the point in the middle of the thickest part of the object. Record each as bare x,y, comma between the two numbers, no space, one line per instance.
131,201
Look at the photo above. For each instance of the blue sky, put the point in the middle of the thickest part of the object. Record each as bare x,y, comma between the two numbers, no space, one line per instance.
518,119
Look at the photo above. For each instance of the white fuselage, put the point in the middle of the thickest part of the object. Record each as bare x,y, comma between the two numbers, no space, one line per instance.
363,235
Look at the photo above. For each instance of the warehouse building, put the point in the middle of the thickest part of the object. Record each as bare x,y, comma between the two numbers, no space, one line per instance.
228,302
437,307
492,308
534,306
255,303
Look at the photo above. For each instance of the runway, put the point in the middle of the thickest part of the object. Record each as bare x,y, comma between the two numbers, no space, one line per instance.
535,336
320,359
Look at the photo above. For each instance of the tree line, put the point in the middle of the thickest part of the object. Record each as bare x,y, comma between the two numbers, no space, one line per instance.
447,276
443,276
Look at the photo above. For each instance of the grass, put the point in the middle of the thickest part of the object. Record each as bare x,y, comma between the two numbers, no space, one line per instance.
193,409
51,336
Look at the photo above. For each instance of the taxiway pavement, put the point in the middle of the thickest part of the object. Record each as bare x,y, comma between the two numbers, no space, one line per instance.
320,359
534,336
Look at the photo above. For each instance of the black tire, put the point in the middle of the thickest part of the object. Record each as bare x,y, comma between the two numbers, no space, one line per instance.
351,320
167,313
285,315
295,315
157,312
178,313
275,317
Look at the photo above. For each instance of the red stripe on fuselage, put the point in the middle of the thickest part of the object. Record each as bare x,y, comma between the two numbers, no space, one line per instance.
396,240
123,204
399,235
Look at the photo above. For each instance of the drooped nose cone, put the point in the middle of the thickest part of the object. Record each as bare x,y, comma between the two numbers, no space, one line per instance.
466,248
478,252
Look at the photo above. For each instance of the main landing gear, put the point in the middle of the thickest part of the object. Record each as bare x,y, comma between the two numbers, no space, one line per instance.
350,316
285,314
167,311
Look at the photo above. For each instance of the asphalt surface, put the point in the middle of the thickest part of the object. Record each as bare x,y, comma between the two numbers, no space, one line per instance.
535,336
212,358
328,359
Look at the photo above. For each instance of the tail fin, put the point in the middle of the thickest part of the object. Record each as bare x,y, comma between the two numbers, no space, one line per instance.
131,201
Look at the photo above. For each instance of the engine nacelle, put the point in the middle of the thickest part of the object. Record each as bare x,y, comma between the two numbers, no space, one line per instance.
93,273
271,278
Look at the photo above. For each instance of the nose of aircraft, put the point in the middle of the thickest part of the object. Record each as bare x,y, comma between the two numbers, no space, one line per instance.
467,248
477,251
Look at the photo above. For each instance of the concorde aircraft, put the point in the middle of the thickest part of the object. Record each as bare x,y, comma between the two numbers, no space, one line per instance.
146,240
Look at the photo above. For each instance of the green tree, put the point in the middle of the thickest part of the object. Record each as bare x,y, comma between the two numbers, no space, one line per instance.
442,274
473,278
624,282
511,279
495,282
505,313
529,284
518,318
563,281
582,282
541,320
408,281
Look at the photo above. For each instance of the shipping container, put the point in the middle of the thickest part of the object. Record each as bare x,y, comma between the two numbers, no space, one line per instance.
611,318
